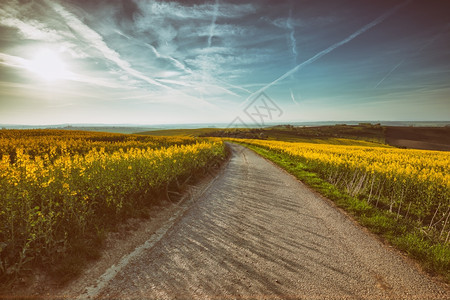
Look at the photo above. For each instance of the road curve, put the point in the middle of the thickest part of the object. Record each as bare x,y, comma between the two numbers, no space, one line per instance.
259,233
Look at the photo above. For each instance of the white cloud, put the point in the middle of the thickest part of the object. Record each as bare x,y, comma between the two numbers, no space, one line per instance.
173,61
205,12
96,41
213,22
286,23
11,15
292,39
12,61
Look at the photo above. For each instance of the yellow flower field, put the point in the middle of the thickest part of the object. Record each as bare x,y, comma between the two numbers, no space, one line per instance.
410,183
60,187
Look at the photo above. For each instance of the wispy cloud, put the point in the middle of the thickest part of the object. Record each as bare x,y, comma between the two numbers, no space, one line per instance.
311,22
11,16
425,45
293,41
241,88
213,22
191,79
150,56
177,10
96,41
293,98
202,66
330,48
91,42
390,72
13,61
157,54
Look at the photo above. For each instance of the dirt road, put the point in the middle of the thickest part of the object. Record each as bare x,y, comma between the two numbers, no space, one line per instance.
259,233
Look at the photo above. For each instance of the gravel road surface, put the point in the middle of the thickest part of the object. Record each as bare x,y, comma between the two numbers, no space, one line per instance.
258,233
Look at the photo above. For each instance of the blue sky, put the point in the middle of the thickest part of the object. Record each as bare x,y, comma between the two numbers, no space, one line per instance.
157,62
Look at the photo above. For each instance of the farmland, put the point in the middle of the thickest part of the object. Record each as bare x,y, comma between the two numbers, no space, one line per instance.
363,134
402,194
61,191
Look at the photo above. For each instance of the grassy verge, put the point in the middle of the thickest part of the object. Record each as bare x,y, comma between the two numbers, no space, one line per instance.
400,232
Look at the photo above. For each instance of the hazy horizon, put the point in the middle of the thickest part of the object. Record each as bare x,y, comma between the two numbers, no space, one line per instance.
193,62
424,123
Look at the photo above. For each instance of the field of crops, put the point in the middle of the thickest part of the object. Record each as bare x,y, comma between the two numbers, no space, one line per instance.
60,190
412,184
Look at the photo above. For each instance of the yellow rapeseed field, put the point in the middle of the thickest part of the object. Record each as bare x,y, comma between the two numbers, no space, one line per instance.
58,188
410,183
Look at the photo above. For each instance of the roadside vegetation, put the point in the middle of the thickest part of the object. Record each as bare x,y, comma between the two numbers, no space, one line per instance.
403,195
61,191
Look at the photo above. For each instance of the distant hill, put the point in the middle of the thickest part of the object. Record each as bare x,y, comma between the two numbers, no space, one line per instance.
183,132
429,138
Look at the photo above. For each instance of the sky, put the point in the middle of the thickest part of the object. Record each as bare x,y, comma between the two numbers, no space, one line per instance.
174,62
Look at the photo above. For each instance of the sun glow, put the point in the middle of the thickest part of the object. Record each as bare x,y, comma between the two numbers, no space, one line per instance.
47,65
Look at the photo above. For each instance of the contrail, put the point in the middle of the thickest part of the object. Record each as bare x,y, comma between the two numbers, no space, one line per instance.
233,86
389,73
181,66
417,53
331,48
174,61
293,98
292,36
213,22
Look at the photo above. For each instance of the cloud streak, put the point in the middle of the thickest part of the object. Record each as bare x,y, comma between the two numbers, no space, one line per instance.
390,72
293,98
29,29
172,60
181,11
195,60
425,45
13,61
203,63
293,41
213,22
330,49
95,40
